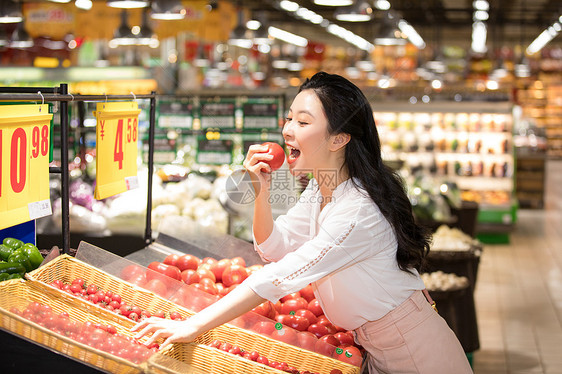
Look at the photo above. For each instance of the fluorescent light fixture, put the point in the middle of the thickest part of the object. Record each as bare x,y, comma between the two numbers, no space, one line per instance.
333,2
289,6
167,10
479,33
10,12
361,11
480,15
84,4
287,36
541,40
411,34
481,5
60,1
128,4
382,4
253,24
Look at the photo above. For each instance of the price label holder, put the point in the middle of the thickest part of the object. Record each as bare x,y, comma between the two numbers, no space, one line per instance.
217,113
261,114
212,150
24,163
117,135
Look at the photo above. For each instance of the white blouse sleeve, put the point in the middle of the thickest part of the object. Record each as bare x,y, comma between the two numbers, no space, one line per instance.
290,230
344,239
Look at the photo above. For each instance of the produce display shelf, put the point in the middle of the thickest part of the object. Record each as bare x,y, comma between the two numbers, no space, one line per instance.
19,294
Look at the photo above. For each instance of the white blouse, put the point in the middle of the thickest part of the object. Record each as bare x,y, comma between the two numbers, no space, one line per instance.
347,251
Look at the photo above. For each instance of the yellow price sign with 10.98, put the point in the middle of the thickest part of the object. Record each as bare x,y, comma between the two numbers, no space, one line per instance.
24,163
117,135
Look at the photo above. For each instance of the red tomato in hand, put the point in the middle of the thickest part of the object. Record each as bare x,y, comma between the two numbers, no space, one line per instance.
234,274
278,155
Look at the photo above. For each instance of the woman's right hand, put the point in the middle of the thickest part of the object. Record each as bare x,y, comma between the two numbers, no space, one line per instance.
256,164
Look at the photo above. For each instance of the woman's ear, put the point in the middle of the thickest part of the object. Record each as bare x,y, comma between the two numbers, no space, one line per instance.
339,141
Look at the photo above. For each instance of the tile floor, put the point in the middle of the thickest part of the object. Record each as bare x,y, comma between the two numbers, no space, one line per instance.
518,292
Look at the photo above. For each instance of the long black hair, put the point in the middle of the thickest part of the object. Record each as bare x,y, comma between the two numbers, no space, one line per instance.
348,111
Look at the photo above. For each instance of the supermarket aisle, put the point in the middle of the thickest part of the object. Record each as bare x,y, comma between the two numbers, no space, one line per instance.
519,292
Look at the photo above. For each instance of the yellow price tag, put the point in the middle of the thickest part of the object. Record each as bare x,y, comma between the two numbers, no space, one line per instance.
117,134
24,163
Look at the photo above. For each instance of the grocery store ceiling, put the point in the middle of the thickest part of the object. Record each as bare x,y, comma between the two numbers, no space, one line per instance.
511,22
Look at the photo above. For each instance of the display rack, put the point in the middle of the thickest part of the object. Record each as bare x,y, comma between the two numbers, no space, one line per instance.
60,94
468,143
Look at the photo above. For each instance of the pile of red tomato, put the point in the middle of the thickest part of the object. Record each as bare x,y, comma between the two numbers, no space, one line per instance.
309,327
109,300
98,336
257,357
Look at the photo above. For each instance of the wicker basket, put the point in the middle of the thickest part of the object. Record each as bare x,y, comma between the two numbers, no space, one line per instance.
181,358
212,360
19,293
67,268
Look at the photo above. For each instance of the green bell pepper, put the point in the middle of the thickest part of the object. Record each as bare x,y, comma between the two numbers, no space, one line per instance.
33,255
4,276
5,252
15,276
12,243
19,256
10,268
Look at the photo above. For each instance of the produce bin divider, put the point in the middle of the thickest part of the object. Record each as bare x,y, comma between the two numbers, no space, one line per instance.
61,94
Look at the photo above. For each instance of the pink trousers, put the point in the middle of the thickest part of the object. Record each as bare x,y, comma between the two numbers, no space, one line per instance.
412,338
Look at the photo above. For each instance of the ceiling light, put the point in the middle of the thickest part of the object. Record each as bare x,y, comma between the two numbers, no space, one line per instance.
333,2
146,35
480,15
10,12
287,36
541,40
238,34
253,24
20,38
123,34
479,33
128,4
261,35
83,4
361,11
388,33
411,34
481,5
289,6
382,4
167,10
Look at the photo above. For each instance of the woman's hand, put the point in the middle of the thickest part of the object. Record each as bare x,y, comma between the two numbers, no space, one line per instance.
259,169
175,331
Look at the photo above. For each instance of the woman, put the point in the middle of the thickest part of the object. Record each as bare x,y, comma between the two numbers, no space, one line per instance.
351,235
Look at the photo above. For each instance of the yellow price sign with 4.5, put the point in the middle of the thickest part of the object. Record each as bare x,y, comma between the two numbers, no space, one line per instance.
24,163
117,134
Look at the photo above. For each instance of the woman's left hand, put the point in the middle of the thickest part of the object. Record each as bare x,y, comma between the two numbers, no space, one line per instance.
174,331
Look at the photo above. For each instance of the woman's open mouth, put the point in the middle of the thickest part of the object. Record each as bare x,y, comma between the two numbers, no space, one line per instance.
294,153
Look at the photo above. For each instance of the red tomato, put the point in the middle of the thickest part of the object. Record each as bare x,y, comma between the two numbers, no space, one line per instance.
349,354
234,274
171,259
285,334
290,296
307,340
307,314
325,348
254,268
265,309
345,337
156,286
299,323
131,272
190,276
262,360
238,261
285,319
208,287
162,268
278,155
205,272
318,330
175,315
264,328
188,261
330,339
292,305
314,307
159,314
221,266
308,293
